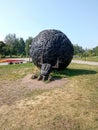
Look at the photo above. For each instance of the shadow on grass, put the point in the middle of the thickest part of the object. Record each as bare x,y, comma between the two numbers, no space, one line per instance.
71,72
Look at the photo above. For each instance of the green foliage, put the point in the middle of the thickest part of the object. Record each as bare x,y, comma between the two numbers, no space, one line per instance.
21,47
78,50
27,45
15,46
10,41
95,51
4,49
2,45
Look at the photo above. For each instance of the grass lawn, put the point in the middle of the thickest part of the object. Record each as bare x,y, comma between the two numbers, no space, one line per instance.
93,58
71,107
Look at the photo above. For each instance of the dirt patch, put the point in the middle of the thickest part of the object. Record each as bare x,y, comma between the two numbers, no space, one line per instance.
13,91
35,84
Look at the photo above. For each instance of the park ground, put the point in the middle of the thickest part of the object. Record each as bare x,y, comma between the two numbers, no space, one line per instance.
70,104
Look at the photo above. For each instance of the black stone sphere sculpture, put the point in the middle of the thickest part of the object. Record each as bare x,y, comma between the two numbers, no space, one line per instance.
51,49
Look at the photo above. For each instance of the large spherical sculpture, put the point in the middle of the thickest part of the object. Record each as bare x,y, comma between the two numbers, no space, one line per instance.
51,48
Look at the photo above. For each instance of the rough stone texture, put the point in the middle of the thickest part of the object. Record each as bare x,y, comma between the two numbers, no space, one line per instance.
51,47
45,71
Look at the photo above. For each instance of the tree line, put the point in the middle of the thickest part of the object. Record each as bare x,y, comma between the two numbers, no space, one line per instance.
13,46
79,51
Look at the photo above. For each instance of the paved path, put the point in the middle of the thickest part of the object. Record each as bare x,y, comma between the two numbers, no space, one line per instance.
73,61
84,62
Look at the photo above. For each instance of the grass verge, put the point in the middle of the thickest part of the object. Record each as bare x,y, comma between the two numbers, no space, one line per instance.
93,58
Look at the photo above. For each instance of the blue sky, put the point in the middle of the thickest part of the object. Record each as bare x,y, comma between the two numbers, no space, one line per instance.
78,19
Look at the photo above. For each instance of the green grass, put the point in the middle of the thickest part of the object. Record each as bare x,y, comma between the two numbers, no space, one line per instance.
14,72
72,107
93,58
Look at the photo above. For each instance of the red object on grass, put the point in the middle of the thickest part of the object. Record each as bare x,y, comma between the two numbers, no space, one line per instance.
12,61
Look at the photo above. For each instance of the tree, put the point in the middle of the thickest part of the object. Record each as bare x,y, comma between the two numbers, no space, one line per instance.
4,49
27,45
90,52
21,46
2,45
78,50
95,51
10,41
